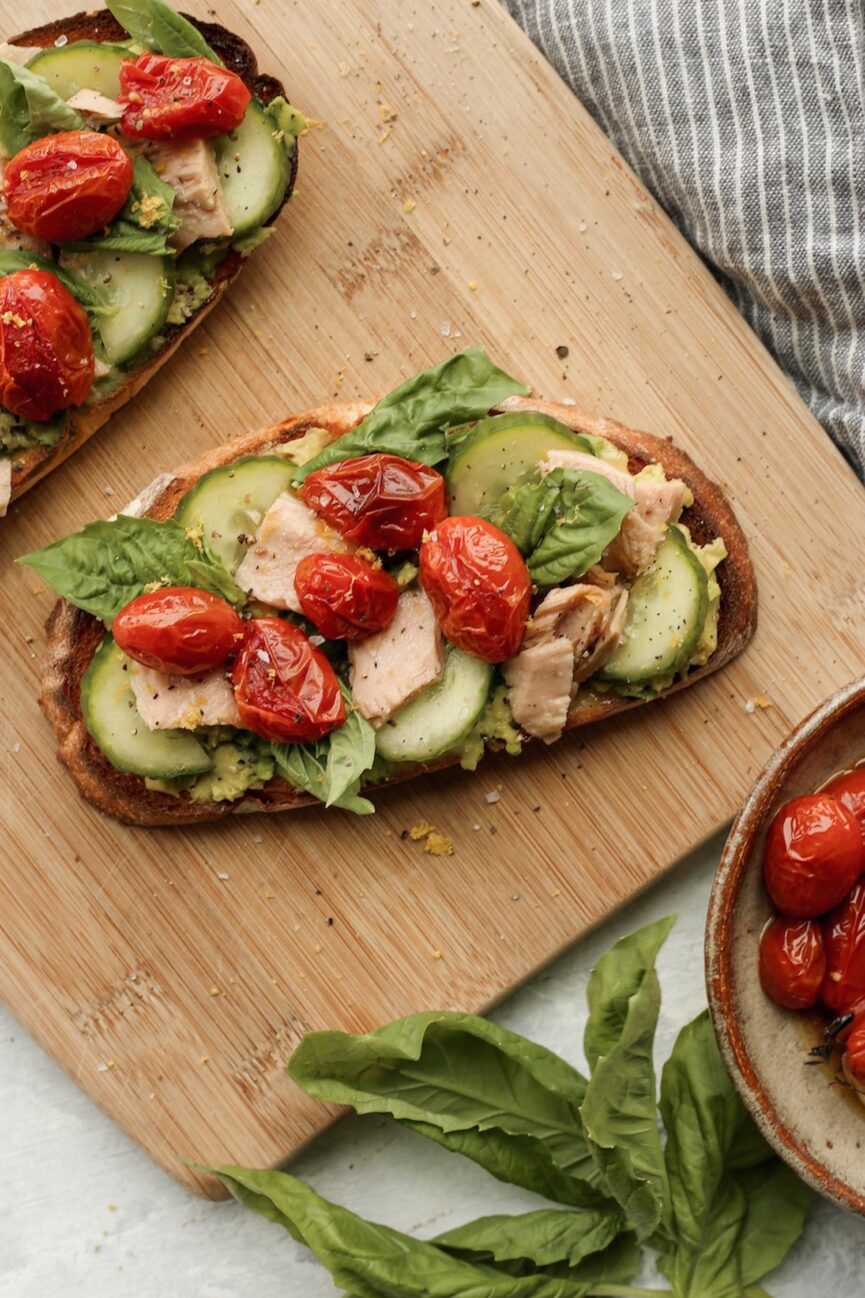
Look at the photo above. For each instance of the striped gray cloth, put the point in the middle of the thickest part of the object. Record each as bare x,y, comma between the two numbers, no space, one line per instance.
746,120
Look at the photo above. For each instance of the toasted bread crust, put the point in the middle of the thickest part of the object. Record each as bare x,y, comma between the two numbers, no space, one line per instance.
30,465
73,635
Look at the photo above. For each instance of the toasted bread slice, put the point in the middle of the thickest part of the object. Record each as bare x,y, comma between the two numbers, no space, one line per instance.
73,635
33,463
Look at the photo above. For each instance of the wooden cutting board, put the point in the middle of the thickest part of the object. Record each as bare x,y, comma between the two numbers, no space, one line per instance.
457,194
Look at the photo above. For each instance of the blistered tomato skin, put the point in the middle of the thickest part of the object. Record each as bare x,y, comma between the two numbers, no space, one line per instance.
179,630
380,501
844,939
67,186
814,854
856,1049
285,688
792,962
180,99
478,585
849,789
346,597
46,347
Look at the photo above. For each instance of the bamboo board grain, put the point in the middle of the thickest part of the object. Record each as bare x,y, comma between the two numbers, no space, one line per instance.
172,972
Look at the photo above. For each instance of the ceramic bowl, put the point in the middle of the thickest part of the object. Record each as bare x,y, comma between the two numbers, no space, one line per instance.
813,1121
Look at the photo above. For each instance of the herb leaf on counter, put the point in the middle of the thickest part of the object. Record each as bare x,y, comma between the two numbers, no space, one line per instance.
545,1238
411,420
161,29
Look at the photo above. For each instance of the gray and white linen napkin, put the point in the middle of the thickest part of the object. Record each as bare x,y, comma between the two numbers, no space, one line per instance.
746,120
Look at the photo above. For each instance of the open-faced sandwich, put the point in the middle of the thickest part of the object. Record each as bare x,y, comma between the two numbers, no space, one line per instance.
142,158
365,593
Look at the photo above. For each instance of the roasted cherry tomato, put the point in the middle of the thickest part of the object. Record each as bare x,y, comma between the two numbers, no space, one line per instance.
844,939
179,99
792,962
67,186
381,501
478,585
849,789
46,347
346,597
814,855
285,688
179,630
856,1049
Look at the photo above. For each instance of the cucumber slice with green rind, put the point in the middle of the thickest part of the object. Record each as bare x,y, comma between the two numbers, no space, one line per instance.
81,65
111,717
440,718
497,452
135,289
253,169
228,503
667,608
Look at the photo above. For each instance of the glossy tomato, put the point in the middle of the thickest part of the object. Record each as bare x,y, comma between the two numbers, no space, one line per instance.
792,962
179,99
67,186
179,630
381,501
856,1049
285,688
478,585
46,347
814,854
849,789
346,597
844,938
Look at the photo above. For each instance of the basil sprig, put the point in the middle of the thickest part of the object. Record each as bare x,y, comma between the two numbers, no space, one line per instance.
161,29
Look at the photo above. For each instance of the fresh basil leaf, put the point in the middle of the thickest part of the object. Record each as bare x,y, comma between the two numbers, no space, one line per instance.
474,1087
544,1238
562,521
411,420
619,1109
161,29
736,1209
331,769
146,221
29,108
374,1261
101,568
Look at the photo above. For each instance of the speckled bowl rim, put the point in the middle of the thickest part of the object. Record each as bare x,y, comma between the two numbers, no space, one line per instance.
719,947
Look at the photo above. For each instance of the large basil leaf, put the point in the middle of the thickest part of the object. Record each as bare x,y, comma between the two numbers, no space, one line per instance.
563,522
736,1210
29,108
101,568
373,1261
146,221
161,29
332,769
619,1109
548,1237
411,420
474,1087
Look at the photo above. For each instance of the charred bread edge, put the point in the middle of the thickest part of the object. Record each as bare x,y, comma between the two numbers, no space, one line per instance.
74,635
35,462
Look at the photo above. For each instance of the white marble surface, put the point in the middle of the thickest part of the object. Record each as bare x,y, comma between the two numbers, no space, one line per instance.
85,1211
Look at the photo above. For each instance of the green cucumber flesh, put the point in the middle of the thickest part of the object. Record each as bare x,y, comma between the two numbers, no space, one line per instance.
111,717
253,170
136,291
498,451
81,65
667,609
440,718
227,503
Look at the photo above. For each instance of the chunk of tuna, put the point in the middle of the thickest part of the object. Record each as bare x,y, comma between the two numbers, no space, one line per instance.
289,532
99,107
590,616
390,668
189,166
5,484
539,684
182,702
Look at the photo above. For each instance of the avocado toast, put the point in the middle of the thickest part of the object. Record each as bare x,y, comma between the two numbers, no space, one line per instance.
197,207
634,613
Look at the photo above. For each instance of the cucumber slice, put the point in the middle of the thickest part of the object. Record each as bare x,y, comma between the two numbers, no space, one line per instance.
135,288
81,65
253,170
666,611
498,451
221,503
111,717
442,716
